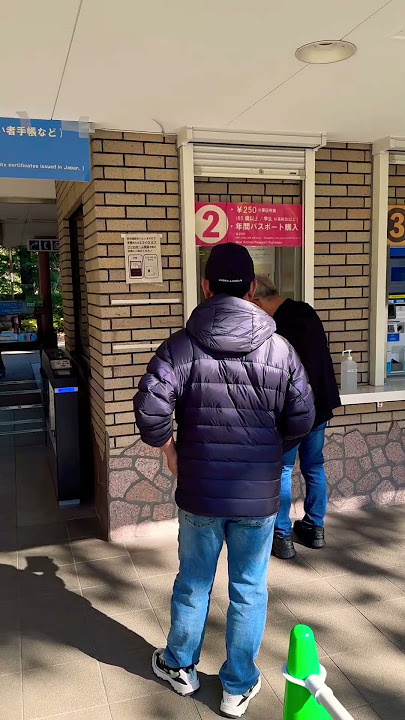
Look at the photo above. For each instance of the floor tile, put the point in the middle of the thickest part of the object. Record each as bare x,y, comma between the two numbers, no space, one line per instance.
365,588
342,630
354,528
289,572
125,632
159,589
84,528
115,601
8,583
378,674
155,562
391,709
10,652
115,572
95,549
310,600
62,688
366,712
156,707
102,712
264,705
11,697
332,561
380,556
49,534
59,554
42,577
54,630
131,676
389,618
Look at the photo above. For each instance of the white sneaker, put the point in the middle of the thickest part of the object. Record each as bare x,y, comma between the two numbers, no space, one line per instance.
234,706
183,680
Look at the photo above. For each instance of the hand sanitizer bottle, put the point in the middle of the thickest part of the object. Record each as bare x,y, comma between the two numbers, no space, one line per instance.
348,382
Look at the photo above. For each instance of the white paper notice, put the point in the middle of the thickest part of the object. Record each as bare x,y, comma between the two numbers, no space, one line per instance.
143,259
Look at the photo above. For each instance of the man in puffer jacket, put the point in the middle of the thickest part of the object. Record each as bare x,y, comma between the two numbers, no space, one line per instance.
241,398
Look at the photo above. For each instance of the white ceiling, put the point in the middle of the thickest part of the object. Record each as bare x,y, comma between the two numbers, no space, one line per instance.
218,63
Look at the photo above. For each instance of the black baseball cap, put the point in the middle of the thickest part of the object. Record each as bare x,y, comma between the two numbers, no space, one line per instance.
229,263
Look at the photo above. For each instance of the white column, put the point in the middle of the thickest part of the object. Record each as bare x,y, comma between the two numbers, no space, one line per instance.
378,299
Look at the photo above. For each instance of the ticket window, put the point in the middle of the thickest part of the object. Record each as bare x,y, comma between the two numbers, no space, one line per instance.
396,312
282,265
270,227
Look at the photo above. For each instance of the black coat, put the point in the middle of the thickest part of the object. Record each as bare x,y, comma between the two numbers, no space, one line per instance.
298,323
240,396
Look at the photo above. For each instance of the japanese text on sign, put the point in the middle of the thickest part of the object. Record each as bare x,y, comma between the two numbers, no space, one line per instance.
248,224
44,149
143,260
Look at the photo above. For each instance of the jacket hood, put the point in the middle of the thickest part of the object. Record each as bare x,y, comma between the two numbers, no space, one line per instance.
226,324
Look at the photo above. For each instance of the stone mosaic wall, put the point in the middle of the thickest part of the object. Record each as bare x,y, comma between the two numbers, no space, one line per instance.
362,469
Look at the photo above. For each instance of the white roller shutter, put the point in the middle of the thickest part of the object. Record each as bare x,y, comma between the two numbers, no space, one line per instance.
248,161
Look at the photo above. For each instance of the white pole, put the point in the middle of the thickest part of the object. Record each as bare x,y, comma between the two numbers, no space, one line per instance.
325,697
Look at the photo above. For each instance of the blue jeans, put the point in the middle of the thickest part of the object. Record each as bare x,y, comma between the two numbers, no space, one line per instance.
316,498
249,542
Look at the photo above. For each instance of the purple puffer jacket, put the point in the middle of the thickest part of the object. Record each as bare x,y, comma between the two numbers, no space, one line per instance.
240,396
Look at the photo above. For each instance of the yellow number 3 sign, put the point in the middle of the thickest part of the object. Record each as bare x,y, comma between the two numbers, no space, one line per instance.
396,225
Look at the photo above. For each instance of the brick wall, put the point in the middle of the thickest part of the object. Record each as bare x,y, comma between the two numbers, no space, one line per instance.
396,185
236,190
342,249
134,188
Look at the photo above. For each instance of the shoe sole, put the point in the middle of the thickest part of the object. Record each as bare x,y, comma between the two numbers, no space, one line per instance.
162,676
283,557
253,694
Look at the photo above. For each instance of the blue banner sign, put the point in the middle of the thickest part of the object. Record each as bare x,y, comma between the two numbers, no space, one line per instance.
14,307
43,149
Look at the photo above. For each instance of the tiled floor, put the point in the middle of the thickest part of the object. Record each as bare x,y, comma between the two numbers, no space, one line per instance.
79,617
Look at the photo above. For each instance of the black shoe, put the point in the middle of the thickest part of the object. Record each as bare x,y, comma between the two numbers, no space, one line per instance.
312,537
283,548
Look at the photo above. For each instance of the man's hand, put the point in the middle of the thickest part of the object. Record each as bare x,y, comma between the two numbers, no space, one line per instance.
171,456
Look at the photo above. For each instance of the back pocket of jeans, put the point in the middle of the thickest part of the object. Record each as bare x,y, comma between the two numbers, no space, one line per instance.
199,521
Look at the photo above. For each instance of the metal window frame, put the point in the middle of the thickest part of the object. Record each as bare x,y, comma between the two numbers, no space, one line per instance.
186,140
385,151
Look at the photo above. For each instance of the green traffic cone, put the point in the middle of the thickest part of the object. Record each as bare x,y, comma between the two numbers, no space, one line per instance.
302,662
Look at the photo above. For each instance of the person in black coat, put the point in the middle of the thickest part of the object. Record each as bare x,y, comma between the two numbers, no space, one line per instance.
298,323
241,397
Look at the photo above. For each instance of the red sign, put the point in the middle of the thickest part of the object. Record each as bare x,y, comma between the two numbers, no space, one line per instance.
248,224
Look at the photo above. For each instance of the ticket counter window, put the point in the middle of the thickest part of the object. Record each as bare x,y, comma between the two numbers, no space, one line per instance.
269,225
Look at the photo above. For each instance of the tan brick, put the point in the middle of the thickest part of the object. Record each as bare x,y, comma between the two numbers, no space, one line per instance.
322,202
126,225
359,190
144,161
107,159
322,178
109,185
329,259
173,212
123,146
348,248
328,166
347,202
357,213
145,187
160,149
356,325
346,225
330,213
110,212
171,162
124,173
360,167
358,236
124,395
108,135
144,137
130,323
162,225
121,429
165,322
361,259
165,200
345,314
330,282
164,174
330,304
344,270
357,302
354,155
146,212
172,187
347,179
127,198
331,190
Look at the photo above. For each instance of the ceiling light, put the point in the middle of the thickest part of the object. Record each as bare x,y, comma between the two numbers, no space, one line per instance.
325,51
